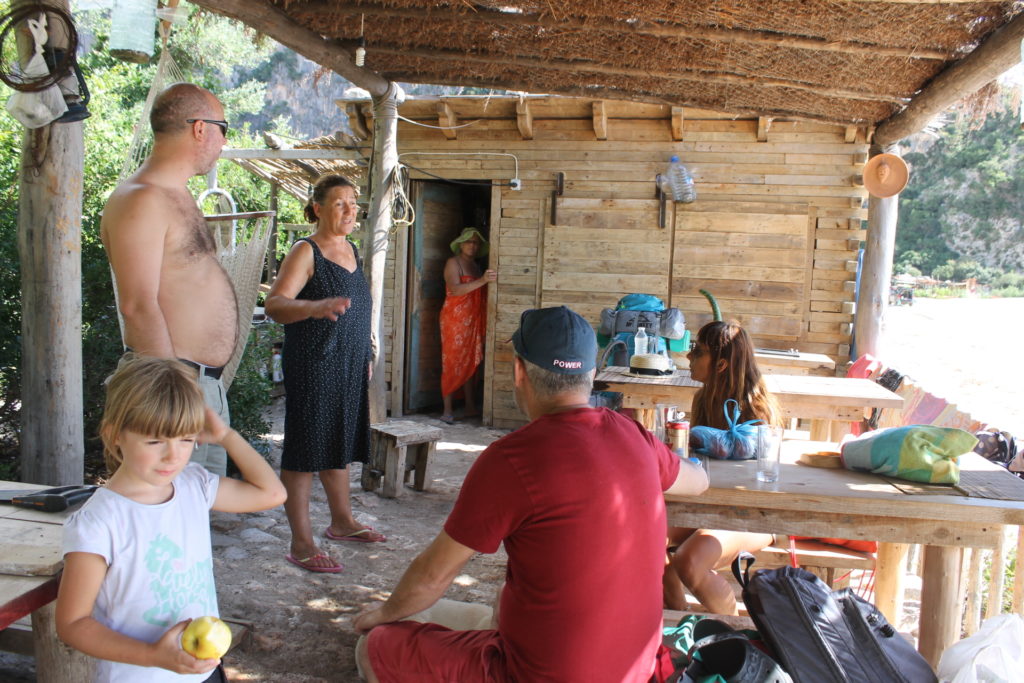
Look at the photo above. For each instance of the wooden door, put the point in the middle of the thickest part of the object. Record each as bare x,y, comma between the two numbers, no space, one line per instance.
438,219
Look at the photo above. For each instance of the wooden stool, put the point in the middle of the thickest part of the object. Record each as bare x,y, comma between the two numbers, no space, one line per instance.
391,463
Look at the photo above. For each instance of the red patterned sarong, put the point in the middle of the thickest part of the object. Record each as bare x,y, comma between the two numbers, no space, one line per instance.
463,323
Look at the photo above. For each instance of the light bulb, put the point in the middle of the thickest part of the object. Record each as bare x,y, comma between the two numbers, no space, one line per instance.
360,55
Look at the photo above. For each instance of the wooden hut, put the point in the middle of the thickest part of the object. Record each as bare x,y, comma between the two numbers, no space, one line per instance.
564,188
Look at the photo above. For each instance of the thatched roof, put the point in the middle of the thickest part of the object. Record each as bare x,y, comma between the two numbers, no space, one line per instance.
852,61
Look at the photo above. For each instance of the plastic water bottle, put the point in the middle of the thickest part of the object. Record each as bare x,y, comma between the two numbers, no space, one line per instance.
640,342
680,181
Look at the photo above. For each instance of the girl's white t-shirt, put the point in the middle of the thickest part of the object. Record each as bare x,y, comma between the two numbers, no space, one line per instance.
159,564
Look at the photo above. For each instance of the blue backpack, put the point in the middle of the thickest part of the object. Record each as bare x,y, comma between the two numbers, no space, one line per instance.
665,327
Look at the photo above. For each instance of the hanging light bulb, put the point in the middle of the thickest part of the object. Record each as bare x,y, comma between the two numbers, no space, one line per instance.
361,52
361,49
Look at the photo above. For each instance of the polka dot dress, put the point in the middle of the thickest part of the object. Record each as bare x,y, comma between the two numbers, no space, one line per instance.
327,410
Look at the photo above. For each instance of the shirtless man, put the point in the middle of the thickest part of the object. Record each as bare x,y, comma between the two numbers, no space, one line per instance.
176,299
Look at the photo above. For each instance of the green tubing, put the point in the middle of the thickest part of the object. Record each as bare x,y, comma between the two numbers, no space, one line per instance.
715,312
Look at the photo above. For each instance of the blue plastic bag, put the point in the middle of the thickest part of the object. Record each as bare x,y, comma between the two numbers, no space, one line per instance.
738,442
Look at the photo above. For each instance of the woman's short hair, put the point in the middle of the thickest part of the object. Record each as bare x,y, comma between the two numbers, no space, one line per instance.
152,396
325,184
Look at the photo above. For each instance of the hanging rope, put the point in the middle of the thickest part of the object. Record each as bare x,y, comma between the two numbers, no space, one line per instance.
11,74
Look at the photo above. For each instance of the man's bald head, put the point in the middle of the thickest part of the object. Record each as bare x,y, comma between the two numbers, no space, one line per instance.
179,102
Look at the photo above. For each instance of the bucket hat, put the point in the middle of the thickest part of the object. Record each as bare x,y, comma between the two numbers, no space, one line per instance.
469,233
885,175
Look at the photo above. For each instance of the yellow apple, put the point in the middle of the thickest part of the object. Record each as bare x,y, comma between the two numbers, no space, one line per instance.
206,638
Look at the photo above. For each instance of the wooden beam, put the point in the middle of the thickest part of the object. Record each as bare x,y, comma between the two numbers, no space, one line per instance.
382,179
1000,52
447,119
600,120
851,134
477,13
269,20
356,120
579,67
677,123
320,153
763,124
524,118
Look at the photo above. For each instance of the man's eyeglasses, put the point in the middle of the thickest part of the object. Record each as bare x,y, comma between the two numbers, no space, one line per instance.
223,124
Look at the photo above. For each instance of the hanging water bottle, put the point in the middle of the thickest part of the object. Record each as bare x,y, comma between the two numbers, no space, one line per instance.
640,342
680,182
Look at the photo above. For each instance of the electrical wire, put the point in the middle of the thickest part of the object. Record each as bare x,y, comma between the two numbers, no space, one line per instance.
403,214
427,125
482,183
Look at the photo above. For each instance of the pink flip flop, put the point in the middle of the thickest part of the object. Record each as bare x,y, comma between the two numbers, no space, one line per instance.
360,536
304,563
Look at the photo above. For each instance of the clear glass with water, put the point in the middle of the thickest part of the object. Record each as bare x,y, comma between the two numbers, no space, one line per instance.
769,452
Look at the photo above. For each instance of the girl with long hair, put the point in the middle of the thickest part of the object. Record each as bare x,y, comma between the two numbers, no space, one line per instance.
723,360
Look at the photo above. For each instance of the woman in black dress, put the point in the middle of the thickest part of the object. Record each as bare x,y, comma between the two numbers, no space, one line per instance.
323,300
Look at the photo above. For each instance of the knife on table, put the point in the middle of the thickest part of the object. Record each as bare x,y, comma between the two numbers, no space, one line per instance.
47,500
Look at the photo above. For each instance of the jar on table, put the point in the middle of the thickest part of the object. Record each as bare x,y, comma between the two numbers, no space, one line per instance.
677,436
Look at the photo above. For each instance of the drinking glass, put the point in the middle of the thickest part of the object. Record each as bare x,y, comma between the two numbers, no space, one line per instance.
769,450
663,414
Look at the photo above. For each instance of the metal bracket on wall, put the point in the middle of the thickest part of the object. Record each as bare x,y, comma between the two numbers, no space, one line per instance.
555,194
662,201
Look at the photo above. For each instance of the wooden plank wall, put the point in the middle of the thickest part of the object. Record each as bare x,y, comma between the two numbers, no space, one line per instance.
773,234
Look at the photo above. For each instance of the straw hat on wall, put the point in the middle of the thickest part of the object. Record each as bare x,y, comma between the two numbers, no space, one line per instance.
885,175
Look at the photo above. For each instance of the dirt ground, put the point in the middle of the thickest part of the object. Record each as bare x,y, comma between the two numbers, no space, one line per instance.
302,621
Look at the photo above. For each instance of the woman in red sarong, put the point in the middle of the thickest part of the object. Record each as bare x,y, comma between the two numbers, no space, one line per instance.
463,320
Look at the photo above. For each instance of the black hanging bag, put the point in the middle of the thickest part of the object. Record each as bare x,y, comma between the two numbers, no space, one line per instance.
825,636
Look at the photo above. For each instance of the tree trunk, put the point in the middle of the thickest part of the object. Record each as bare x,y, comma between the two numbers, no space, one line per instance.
385,160
876,270
49,251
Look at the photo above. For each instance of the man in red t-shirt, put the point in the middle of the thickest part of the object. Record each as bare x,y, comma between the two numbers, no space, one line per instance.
576,497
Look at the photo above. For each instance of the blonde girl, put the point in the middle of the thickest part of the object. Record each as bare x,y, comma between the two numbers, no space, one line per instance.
138,564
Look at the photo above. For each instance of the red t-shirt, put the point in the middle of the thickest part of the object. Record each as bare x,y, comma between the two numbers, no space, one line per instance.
577,499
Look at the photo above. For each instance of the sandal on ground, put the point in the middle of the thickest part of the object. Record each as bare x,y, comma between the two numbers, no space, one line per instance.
448,419
307,563
365,535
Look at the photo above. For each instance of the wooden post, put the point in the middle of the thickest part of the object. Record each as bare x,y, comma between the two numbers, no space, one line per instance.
385,160
972,613
996,576
939,589
889,567
275,189
876,270
50,254
55,661
1018,576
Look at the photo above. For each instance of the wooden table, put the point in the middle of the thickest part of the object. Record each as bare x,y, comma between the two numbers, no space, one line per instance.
797,364
30,566
823,400
808,501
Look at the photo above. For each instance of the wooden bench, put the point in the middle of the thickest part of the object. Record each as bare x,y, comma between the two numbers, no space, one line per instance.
399,449
831,563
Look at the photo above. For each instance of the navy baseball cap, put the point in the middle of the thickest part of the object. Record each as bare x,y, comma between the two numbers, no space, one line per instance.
556,339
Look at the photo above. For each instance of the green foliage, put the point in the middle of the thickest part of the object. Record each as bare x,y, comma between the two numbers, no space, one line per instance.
250,391
965,201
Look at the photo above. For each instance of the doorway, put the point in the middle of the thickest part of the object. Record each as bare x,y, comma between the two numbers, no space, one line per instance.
443,209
